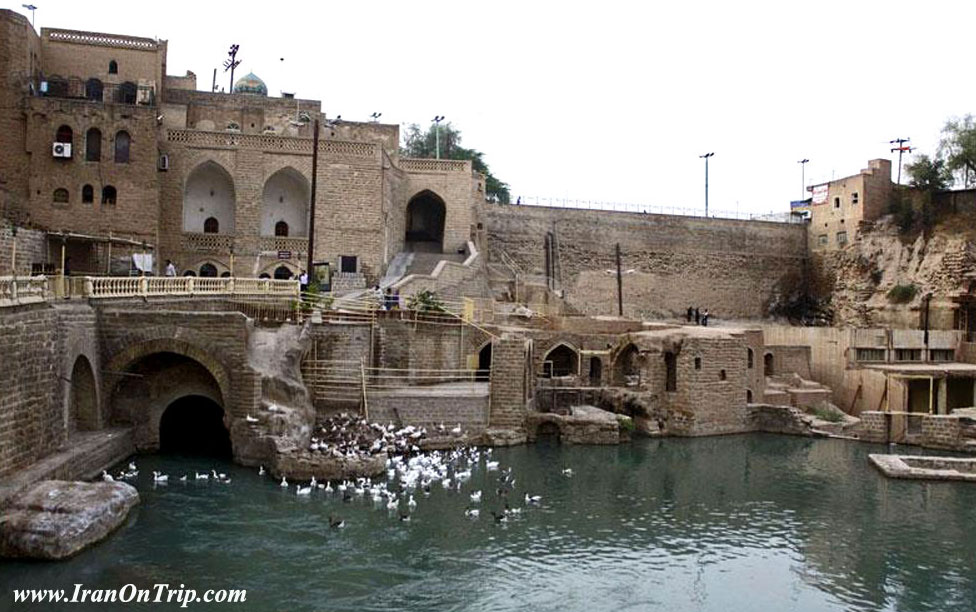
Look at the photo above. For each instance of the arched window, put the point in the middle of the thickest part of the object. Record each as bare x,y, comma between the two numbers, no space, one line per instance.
189,273
264,275
61,195
93,145
560,361
113,67
282,273
208,270
87,194
122,147
64,134
108,195
93,90
748,396
211,225
225,275
281,228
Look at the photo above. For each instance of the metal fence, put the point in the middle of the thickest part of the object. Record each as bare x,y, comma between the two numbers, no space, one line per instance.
773,216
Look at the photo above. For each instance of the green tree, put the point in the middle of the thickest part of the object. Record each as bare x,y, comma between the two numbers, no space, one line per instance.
423,144
958,149
927,174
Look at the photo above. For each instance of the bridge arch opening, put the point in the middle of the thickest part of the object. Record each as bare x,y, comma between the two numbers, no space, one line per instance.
194,425
425,223
172,395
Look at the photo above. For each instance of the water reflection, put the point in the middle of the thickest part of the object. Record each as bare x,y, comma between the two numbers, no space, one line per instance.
734,523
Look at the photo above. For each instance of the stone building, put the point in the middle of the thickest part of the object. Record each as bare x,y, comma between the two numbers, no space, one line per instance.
111,155
837,207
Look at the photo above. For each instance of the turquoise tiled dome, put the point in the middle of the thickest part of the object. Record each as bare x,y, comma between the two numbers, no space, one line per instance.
251,84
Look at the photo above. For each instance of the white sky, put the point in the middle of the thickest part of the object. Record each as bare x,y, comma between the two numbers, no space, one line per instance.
610,101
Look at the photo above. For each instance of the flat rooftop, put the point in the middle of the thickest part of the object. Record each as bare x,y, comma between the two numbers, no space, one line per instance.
927,369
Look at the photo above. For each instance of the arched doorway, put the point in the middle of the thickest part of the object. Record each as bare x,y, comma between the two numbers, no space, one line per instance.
626,368
484,363
153,384
283,273
768,364
194,425
209,200
208,270
560,361
82,401
425,223
284,204
596,371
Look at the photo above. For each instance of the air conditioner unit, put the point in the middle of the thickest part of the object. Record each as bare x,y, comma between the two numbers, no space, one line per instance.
61,149
163,164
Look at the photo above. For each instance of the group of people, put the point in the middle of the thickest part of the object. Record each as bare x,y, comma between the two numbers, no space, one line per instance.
700,316
389,300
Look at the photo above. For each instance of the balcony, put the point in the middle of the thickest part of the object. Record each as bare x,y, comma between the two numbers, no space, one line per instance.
93,90
198,242
296,245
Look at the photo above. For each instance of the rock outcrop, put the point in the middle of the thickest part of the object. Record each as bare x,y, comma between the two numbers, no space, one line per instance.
56,519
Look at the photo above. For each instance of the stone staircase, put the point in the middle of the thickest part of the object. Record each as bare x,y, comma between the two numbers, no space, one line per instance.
792,390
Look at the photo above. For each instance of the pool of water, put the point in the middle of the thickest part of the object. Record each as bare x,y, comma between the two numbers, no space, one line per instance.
753,522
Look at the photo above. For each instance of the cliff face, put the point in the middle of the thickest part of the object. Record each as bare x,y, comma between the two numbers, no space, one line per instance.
880,259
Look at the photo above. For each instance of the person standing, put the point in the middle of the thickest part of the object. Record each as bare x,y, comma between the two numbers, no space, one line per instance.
697,317
303,281
705,318
170,268
691,313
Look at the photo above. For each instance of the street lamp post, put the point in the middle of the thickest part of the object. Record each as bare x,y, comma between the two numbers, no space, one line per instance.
803,176
437,135
705,157
31,8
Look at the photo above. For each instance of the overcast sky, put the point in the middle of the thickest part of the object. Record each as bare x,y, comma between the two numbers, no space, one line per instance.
610,101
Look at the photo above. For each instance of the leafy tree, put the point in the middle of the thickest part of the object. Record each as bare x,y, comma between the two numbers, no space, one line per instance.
423,144
958,149
926,174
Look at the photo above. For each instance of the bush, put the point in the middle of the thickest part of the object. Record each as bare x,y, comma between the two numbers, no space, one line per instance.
425,301
831,416
902,294
626,424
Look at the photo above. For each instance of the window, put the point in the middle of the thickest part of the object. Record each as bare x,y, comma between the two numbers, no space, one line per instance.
908,354
837,202
122,147
841,238
208,270
347,263
822,239
748,396
93,90
234,126
281,228
61,195
749,358
211,225
870,354
697,363
126,93
671,368
63,134
942,355
93,145
87,194
108,195
854,198
721,374
113,67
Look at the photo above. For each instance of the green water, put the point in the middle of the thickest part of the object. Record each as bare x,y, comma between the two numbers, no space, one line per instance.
757,522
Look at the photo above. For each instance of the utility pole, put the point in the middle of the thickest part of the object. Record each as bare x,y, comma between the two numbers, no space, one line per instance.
311,206
620,286
705,157
803,177
437,135
231,63
901,148
213,87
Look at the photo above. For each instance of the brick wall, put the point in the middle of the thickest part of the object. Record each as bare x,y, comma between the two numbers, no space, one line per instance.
19,62
430,411
729,267
32,423
510,378
31,248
